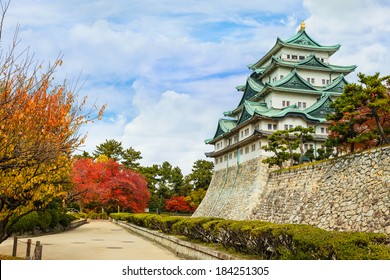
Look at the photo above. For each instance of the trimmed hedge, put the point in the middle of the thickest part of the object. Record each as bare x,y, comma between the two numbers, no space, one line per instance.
41,220
266,240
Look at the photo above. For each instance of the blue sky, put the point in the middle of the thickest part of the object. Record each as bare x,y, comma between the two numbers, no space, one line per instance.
167,70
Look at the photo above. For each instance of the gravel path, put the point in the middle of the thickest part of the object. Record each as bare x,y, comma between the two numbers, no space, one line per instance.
97,240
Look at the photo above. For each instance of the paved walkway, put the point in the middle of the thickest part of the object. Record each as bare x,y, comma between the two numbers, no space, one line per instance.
97,240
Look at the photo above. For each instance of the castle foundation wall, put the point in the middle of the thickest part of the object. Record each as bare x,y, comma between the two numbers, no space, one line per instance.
350,193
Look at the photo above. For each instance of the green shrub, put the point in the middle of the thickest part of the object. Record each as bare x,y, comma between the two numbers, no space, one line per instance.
270,241
25,224
120,216
44,220
65,219
193,229
162,223
54,217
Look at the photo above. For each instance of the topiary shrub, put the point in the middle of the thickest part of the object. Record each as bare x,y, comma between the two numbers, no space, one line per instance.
65,219
54,217
44,220
26,223
192,228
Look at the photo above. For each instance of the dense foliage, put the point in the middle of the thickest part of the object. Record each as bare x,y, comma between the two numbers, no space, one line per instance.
284,145
361,117
265,240
106,183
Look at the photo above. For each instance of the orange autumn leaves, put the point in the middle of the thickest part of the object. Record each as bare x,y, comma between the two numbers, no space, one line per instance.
39,124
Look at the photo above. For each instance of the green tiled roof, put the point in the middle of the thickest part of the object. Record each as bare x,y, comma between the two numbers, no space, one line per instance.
293,80
337,85
301,40
253,87
311,62
224,125
321,108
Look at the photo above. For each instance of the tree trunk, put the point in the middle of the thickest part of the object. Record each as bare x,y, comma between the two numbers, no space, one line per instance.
382,134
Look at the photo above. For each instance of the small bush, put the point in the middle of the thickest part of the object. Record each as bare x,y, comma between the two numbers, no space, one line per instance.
44,220
54,217
65,219
26,224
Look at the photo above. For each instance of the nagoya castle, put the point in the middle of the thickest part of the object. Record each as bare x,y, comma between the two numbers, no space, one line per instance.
291,85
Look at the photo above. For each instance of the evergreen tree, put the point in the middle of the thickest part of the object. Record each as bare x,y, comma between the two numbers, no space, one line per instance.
202,172
130,158
361,114
111,148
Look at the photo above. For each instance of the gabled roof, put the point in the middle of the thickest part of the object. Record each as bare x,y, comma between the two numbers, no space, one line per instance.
321,108
294,81
311,62
224,125
255,108
292,110
253,87
337,85
301,40
251,108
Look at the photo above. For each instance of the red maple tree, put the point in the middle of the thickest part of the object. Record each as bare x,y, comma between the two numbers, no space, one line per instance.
110,184
178,204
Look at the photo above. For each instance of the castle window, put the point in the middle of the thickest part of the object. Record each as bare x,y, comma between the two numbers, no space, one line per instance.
260,145
322,130
241,151
286,127
301,57
294,56
323,81
274,126
270,126
299,104
308,79
288,56
257,127
247,132
230,155
281,76
312,80
253,147
304,104
246,150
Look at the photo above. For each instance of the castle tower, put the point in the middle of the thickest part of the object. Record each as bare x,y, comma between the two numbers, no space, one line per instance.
291,85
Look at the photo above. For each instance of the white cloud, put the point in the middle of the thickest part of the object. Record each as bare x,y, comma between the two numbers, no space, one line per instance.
171,128
360,26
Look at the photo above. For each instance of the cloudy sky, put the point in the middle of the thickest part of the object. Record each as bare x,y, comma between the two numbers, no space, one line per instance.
167,69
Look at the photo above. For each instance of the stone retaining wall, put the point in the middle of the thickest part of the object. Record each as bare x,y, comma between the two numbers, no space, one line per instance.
348,193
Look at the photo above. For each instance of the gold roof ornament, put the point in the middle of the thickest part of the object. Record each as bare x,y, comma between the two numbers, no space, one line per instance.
302,27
